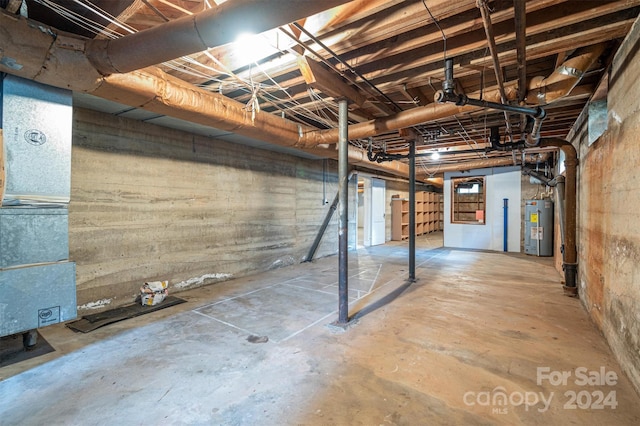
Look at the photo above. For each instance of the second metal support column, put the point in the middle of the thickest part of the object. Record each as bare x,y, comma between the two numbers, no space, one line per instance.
412,211
343,218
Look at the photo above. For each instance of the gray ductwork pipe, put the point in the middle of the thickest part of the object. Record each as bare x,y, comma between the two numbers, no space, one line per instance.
198,32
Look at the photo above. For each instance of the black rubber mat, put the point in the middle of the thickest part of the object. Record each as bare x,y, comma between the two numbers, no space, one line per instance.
91,322
12,349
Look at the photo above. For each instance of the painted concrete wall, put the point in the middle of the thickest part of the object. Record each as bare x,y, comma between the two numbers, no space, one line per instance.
609,212
501,182
151,203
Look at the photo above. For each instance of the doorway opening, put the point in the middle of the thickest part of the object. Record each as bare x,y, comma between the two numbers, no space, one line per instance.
371,211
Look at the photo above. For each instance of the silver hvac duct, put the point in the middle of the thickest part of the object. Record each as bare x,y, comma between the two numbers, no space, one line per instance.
37,281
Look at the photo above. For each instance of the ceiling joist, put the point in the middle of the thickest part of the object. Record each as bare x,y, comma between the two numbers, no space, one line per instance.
385,56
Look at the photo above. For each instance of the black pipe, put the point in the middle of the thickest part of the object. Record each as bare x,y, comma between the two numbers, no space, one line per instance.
570,252
448,84
462,151
381,156
570,279
412,211
570,269
377,157
520,23
536,112
448,95
559,184
494,139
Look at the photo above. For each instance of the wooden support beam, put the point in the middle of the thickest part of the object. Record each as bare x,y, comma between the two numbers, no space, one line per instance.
126,13
417,95
296,32
176,7
410,134
318,77
405,94
14,6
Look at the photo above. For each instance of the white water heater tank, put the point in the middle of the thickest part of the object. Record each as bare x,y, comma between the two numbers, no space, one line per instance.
538,229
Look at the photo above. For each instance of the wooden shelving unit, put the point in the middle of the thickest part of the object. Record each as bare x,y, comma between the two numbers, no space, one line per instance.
420,213
466,208
399,218
427,215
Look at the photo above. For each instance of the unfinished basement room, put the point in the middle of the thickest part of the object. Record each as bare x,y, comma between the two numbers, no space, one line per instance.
319,212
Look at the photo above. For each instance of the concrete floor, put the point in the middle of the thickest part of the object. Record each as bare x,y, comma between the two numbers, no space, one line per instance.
466,344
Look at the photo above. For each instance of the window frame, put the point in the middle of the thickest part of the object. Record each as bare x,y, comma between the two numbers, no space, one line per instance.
455,182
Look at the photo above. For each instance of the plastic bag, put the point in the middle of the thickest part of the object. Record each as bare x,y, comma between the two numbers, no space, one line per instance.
153,292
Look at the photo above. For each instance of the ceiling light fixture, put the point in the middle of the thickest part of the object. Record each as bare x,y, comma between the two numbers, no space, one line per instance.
247,48
435,155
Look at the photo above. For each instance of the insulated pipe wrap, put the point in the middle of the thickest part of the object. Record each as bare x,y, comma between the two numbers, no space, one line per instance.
196,33
560,82
15,32
401,120
33,51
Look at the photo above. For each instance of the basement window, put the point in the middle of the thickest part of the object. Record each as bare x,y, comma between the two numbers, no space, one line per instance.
468,200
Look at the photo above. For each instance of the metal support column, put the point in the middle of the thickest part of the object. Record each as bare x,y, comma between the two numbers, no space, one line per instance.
343,220
412,211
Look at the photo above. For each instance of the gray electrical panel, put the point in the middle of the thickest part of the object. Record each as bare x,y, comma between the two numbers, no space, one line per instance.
538,229
36,123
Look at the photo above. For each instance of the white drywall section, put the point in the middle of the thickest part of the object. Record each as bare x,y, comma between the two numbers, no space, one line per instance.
501,183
